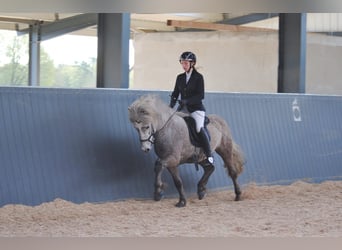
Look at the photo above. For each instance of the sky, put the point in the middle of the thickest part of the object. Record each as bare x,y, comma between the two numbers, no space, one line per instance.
66,49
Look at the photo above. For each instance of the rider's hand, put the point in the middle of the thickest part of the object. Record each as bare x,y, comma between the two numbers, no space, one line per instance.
172,102
183,102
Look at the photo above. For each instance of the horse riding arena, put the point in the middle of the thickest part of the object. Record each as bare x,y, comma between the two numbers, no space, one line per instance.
71,165
296,210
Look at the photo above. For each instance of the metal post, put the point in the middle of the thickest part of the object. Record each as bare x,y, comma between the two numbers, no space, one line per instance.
34,55
292,53
113,50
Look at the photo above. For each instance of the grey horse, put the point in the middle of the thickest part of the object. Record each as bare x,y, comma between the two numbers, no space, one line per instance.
159,125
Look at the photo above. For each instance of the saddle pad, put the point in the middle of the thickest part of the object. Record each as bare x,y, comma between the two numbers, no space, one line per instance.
191,124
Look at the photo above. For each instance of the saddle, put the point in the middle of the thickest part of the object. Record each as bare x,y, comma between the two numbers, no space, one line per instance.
191,124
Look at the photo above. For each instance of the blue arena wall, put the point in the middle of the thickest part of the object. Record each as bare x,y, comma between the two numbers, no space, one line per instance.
78,144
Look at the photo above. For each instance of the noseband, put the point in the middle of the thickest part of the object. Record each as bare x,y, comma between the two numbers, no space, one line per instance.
150,139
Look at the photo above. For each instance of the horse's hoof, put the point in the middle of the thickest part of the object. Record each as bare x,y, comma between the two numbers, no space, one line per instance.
158,196
201,192
201,195
181,203
237,198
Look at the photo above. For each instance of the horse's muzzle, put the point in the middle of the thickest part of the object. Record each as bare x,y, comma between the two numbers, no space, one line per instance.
146,147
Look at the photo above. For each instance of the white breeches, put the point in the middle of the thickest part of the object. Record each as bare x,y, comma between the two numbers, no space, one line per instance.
199,118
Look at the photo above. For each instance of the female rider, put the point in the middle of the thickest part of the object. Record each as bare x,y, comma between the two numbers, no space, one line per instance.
190,85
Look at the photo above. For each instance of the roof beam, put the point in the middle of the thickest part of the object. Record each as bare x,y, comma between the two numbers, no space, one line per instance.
68,25
250,18
143,25
212,26
65,25
18,20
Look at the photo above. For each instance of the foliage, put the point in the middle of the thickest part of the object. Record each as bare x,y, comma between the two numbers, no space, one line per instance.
82,74
14,72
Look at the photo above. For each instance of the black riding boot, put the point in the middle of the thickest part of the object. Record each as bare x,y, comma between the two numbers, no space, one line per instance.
206,145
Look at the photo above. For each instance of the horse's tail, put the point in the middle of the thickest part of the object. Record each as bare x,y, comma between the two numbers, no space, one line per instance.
238,159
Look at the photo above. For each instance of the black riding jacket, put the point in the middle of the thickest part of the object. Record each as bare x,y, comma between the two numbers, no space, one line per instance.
192,93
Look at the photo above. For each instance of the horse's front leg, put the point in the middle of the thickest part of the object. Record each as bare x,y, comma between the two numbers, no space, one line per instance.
179,185
158,184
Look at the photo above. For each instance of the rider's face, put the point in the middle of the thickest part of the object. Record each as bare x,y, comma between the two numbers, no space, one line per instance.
186,65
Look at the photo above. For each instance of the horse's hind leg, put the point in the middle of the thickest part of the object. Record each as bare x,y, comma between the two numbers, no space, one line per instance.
201,186
179,185
236,185
233,173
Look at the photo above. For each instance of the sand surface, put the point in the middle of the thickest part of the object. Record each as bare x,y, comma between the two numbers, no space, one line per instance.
299,209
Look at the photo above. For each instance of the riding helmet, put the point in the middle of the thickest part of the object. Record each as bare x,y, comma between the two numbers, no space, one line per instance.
188,56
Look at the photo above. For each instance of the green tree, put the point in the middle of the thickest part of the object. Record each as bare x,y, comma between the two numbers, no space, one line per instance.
15,69
47,69
85,74
14,72
80,75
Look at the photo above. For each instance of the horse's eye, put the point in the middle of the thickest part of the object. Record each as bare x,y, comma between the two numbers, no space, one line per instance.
145,128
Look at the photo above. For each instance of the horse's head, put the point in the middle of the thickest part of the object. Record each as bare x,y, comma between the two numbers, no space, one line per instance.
140,119
148,114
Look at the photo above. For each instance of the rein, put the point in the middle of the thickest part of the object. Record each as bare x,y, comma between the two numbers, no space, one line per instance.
168,120
151,138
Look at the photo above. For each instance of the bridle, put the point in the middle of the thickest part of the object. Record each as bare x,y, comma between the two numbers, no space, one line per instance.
151,138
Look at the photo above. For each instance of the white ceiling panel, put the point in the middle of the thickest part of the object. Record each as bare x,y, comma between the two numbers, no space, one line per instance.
316,22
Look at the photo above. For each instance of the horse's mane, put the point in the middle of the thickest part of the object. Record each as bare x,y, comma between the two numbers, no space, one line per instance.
149,106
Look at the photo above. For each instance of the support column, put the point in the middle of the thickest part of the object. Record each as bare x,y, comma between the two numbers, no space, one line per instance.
34,55
292,53
113,50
